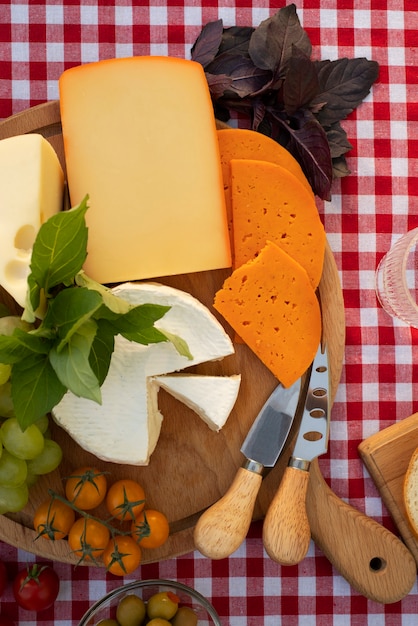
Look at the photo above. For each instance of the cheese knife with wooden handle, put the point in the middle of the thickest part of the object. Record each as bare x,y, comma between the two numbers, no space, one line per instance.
222,528
286,530
371,558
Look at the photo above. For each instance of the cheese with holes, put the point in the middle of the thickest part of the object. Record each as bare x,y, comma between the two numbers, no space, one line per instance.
125,428
269,203
241,143
270,303
211,397
31,190
140,139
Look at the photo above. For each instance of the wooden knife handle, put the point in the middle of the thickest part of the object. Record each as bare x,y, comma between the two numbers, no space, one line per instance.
371,558
222,528
286,532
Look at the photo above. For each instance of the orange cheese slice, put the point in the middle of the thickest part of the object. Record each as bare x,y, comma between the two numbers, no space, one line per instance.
140,139
270,303
240,143
269,203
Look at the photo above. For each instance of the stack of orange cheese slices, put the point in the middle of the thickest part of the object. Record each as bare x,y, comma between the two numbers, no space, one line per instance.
278,244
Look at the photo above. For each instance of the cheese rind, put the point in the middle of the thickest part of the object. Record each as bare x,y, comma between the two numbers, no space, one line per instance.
269,203
270,303
140,138
211,397
31,191
126,426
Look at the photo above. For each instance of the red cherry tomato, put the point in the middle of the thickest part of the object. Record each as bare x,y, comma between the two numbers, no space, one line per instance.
36,588
4,578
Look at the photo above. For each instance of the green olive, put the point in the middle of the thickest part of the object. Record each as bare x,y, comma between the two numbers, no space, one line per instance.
185,616
159,621
131,611
163,604
107,622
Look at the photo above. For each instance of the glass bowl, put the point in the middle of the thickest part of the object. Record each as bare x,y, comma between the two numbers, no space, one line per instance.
106,607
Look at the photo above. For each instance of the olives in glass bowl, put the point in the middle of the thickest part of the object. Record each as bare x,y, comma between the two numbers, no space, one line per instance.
154,602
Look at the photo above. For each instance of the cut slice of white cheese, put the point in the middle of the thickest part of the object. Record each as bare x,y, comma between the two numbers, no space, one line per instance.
211,397
126,426
31,190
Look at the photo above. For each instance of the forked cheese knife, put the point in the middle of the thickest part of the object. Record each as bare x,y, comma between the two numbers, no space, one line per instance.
286,530
222,528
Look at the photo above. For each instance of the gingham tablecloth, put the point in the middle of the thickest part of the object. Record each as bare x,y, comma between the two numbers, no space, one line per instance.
369,210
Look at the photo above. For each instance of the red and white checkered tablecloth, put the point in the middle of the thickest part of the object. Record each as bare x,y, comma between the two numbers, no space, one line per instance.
369,209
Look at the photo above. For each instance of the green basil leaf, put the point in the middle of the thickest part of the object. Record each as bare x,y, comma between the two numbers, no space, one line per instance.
12,350
69,310
71,363
138,324
179,343
102,350
112,302
60,250
35,389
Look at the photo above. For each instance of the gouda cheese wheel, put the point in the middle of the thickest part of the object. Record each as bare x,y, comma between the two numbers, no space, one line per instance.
140,139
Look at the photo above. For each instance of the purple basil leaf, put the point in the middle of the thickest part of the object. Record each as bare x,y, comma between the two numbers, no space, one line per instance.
218,84
301,84
343,85
236,39
339,167
206,46
272,41
338,141
308,143
246,77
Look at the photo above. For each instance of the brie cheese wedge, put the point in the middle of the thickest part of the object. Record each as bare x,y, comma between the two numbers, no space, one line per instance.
126,426
211,397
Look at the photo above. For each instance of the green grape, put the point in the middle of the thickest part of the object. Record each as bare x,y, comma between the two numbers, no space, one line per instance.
31,479
13,499
9,323
5,370
6,402
48,460
43,423
13,471
25,444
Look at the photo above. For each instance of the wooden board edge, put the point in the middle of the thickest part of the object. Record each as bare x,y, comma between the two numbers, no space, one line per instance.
368,449
46,117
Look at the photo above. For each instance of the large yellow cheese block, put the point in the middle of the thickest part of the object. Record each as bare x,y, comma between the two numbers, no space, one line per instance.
31,190
140,139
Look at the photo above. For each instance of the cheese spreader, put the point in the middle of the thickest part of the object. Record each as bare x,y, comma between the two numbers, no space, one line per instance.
286,530
222,528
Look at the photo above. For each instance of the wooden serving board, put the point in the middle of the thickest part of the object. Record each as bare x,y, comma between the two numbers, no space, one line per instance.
386,455
191,466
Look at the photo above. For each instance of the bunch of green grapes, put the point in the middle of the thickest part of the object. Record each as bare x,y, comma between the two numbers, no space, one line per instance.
24,454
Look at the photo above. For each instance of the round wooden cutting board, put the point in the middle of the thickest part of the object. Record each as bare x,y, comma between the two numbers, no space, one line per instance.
192,466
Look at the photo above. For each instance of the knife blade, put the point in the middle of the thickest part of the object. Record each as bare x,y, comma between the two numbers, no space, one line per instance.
222,528
286,529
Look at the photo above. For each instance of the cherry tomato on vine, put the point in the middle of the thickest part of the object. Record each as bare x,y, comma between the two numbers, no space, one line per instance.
86,488
53,519
125,499
150,528
36,587
122,555
88,539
